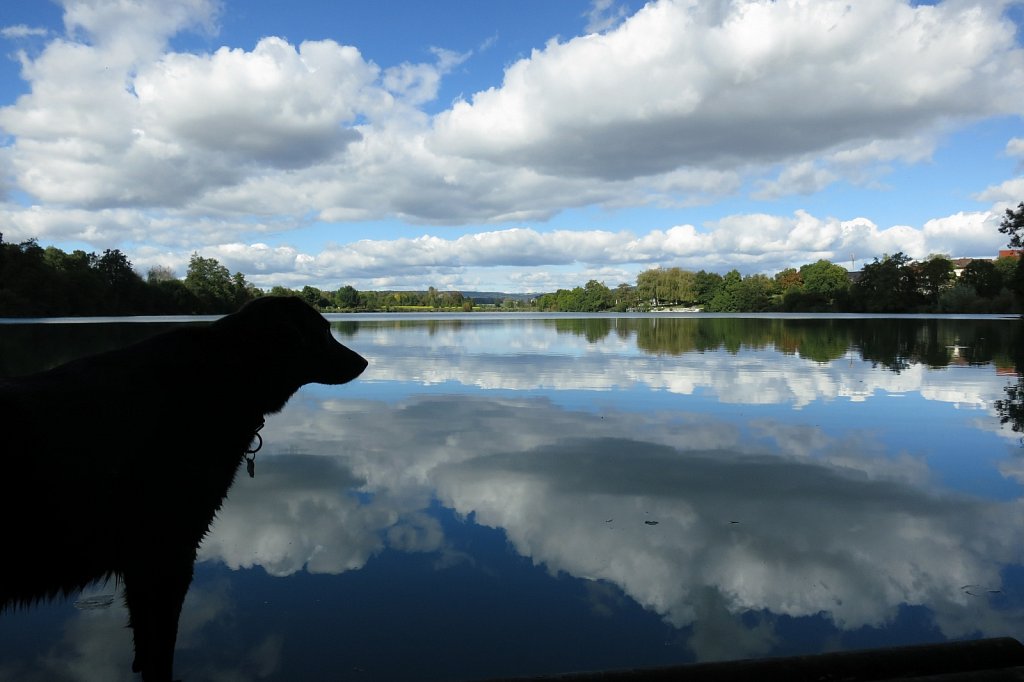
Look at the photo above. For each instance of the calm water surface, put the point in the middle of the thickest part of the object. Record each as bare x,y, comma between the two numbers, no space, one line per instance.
529,495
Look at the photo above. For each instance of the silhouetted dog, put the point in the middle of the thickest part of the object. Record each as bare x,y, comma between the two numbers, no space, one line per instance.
115,464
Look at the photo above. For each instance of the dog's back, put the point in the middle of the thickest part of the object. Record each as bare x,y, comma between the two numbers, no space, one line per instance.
97,451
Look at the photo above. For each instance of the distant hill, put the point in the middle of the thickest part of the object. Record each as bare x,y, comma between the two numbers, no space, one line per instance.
498,296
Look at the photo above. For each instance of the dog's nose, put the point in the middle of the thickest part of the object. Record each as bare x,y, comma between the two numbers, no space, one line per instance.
342,365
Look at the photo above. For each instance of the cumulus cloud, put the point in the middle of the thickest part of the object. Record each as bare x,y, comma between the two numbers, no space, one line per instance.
691,84
278,104
1005,193
123,140
751,242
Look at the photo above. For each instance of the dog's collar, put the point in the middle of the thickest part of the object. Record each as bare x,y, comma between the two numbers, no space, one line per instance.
250,454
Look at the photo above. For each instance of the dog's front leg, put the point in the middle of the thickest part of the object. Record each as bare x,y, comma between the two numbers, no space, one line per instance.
154,593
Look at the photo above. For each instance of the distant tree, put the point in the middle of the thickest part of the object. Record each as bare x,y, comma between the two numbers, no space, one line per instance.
116,269
282,291
596,297
727,299
1007,268
825,279
625,298
315,297
983,277
211,284
347,297
706,286
25,281
935,275
160,273
961,298
675,286
887,285
753,293
788,279
123,285
647,286
570,299
243,290
1012,225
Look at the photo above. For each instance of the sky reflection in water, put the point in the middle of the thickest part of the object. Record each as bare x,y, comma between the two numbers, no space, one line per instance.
521,496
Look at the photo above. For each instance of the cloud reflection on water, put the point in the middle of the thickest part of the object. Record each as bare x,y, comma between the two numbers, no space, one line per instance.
823,523
528,356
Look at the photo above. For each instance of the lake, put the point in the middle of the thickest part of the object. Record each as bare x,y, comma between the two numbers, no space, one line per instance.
524,495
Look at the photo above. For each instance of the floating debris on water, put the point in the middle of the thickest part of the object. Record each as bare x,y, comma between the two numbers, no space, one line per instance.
979,590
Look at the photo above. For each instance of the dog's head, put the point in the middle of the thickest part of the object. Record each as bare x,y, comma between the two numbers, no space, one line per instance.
288,339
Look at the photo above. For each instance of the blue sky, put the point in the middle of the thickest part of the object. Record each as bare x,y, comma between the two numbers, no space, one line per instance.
511,145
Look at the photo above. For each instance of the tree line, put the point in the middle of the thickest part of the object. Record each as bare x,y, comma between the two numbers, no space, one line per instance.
890,284
38,282
46,282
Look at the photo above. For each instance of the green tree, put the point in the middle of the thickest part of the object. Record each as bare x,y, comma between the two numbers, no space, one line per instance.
887,286
706,286
315,297
983,276
624,298
347,298
754,293
726,300
211,284
788,279
826,279
1012,225
647,286
160,273
122,284
24,281
935,275
282,291
596,297
116,269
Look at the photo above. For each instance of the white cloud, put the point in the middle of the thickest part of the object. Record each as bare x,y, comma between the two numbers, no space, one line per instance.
418,83
278,104
672,106
803,177
603,15
1006,193
141,26
1015,147
749,242
686,84
963,234
22,31
122,140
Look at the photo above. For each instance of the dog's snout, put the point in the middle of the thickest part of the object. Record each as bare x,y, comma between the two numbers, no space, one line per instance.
341,365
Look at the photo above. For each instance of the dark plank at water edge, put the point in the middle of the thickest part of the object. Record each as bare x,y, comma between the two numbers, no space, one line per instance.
1000,658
